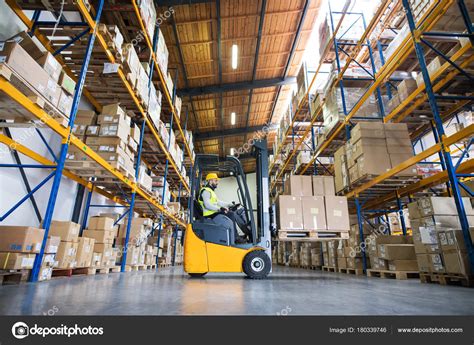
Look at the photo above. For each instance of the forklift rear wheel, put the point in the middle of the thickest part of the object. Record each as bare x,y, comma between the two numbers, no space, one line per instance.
257,264
197,275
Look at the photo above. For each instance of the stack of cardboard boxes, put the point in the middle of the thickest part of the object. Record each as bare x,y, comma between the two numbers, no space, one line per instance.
68,232
19,246
392,253
137,248
437,235
310,205
103,231
310,254
44,79
49,258
373,149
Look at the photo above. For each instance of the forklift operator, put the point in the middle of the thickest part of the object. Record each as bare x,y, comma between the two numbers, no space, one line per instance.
216,209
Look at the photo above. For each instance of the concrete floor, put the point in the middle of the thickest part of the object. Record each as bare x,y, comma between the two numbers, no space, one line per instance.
287,291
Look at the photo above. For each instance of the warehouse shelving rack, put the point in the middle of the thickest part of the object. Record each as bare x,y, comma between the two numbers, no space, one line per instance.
125,197
440,98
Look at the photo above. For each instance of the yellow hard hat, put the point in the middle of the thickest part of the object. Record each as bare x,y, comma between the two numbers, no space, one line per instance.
212,176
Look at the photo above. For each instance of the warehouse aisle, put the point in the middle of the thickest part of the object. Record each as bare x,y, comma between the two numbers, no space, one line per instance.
288,291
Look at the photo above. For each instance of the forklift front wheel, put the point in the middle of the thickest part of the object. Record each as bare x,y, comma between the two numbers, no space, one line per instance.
197,275
257,264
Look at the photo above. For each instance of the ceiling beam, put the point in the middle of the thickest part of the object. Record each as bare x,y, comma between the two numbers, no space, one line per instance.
246,85
292,52
255,61
182,2
227,133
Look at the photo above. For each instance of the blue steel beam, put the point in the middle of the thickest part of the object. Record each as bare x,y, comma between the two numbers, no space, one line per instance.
50,150
64,148
132,201
440,129
85,215
71,42
361,233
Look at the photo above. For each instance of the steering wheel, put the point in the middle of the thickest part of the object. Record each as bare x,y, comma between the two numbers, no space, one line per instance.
234,207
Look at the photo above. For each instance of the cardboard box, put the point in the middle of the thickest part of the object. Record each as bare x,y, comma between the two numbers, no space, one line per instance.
100,236
378,263
85,117
67,83
398,158
84,252
423,261
96,259
341,263
452,240
119,130
354,263
67,231
456,263
406,88
23,64
367,130
16,261
337,213
403,265
373,162
323,185
314,214
100,223
290,215
396,251
297,185
65,103
340,169
442,206
384,239
366,146
436,263
52,245
66,255
50,65
23,239
49,260
45,273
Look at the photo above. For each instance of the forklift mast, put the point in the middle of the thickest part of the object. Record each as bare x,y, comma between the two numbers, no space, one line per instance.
260,152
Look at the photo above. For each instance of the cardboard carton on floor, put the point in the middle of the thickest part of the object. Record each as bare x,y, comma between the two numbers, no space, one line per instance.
341,263
49,260
323,185
355,263
297,185
314,213
84,252
402,265
101,223
396,251
337,213
22,239
16,261
384,239
67,231
424,262
452,240
290,215
436,263
96,260
456,262
66,255
52,245
100,236
45,273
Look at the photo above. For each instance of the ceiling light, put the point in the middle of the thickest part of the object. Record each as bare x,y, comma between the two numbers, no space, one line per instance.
232,119
235,50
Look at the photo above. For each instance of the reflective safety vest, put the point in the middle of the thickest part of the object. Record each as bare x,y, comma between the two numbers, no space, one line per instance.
214,200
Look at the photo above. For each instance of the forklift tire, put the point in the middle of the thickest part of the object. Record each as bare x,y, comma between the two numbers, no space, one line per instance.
257,264
197,275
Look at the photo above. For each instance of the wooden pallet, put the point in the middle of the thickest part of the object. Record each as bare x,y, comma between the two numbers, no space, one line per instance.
163,265
315,268
312,235
13,277
329,268
401,275
447,279
356,271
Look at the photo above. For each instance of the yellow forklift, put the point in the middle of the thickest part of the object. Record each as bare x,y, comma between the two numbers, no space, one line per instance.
209,247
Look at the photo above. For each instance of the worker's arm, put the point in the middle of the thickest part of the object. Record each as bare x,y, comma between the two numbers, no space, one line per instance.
225,204
208,205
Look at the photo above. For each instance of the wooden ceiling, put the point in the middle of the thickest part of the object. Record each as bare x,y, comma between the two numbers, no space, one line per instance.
192,35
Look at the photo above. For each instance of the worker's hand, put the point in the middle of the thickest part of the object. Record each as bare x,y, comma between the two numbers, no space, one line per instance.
224,209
